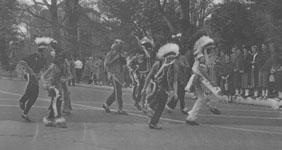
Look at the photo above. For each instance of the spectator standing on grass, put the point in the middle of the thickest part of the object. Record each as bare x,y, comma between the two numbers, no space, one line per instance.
78,65
96,70
236,75
245,69
256,65
102,75
225,74
264,71
88,70
72,70
276,70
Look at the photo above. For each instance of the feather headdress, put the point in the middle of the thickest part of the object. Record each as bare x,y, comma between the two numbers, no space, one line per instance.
145,40
42,42
201,43
168,48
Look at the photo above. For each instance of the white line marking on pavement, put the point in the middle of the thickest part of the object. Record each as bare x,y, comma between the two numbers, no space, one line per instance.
84,131
33,141
7,99
176,121
237,110
240,117
34,106
36,133
206,115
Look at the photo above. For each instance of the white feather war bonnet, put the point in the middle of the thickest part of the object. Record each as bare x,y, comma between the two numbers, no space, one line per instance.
169,48
42,42
201,43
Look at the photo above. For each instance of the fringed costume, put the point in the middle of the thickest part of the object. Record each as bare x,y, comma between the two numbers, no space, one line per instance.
199,80
156,99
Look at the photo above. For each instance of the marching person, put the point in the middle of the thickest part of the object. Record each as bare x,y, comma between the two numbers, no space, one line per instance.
166,56
33,65
78,65
139,66
66,60
181,68
199,80
114,63
54,80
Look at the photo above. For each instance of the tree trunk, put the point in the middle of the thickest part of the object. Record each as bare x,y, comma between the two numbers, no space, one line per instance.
185,13
55,21
72,17
3,54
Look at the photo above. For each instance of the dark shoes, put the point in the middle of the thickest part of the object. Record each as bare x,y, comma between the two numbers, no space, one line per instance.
184,112
106,108
192,123
25,117
154,126
66,112
215,111
138,106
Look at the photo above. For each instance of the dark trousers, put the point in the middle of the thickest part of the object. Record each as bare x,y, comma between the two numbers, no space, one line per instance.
55,105
181,97
30,95
72,82
66,95
78,74
159,104
116,95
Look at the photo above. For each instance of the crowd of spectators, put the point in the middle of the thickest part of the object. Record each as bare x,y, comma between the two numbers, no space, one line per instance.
91,71
247,72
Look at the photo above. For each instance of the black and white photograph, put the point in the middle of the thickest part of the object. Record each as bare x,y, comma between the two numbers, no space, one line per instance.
140,74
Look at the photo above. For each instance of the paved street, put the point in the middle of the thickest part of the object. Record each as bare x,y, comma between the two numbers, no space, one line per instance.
239,127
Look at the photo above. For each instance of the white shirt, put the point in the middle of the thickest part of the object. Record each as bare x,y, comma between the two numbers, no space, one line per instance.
78,64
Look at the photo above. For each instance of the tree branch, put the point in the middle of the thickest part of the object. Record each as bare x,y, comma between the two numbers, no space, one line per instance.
47,20
47,4
38,3
164,4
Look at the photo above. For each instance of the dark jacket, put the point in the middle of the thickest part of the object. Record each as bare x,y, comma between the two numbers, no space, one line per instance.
35,62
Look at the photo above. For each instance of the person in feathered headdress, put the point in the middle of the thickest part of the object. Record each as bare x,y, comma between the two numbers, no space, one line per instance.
114,64
54,81
202,49
165,56
32,66
139,66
